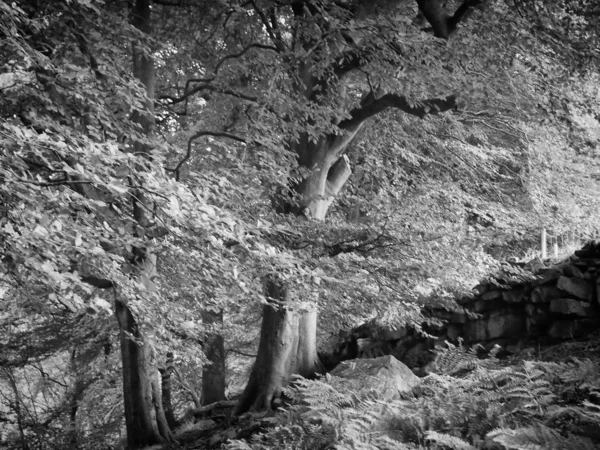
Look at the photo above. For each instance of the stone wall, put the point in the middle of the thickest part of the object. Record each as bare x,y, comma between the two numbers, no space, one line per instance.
523,306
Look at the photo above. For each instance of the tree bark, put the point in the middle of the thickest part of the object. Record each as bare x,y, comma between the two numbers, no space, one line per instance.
165,384
287,347
144,415
213,374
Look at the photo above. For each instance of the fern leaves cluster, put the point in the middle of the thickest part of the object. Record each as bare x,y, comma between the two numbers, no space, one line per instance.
467,404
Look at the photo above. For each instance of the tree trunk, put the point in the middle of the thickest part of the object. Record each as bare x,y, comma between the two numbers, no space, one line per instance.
287,347
322,186
165,383
213,374
144,416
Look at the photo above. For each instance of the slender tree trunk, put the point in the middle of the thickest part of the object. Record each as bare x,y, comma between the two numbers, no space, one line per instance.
213,374
17,408
287,347
144,416
165,383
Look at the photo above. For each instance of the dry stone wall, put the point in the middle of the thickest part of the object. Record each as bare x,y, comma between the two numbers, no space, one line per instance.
517,309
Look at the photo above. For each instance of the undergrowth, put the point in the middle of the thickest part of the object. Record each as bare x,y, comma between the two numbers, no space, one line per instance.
468,403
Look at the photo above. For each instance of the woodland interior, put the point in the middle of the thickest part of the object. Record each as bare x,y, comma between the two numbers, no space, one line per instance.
300,224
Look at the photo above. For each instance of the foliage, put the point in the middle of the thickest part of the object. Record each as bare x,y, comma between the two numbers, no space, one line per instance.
427,206
468,403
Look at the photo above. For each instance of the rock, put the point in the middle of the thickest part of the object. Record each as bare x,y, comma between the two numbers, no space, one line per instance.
506,325
454,332
563,329
481,288
546,276
514,296
573,271
570,307
497,326
544,294
577,287
481,306
491,295
539,311
385,376
459,317
502,325
535,265
390,334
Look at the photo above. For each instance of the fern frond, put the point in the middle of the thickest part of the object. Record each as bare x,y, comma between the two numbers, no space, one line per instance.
453,442
538,437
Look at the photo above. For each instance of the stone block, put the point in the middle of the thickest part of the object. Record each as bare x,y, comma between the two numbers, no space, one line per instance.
509,325
546,276
539,312
544,294
566,329
535,329
476,330
514,296
572,271
390,334
483,306
454,332
459,317
498,326
570,307
481,288
491,295
581,289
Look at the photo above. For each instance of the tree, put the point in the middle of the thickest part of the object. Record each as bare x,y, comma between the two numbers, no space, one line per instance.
162,211
287,347
330,67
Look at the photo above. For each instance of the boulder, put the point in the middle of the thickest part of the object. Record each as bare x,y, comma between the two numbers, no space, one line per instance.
385,377
577,287
570,307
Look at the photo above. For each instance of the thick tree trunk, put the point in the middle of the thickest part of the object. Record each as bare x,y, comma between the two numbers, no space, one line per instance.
287,347
144,416
213,374
165,384
322,186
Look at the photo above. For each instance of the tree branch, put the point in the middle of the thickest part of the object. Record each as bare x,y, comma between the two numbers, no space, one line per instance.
205,87
277,42
371,106
199,134
442,24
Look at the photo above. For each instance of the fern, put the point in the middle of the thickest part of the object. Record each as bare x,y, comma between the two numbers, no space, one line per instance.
538,437
469,403
449,441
